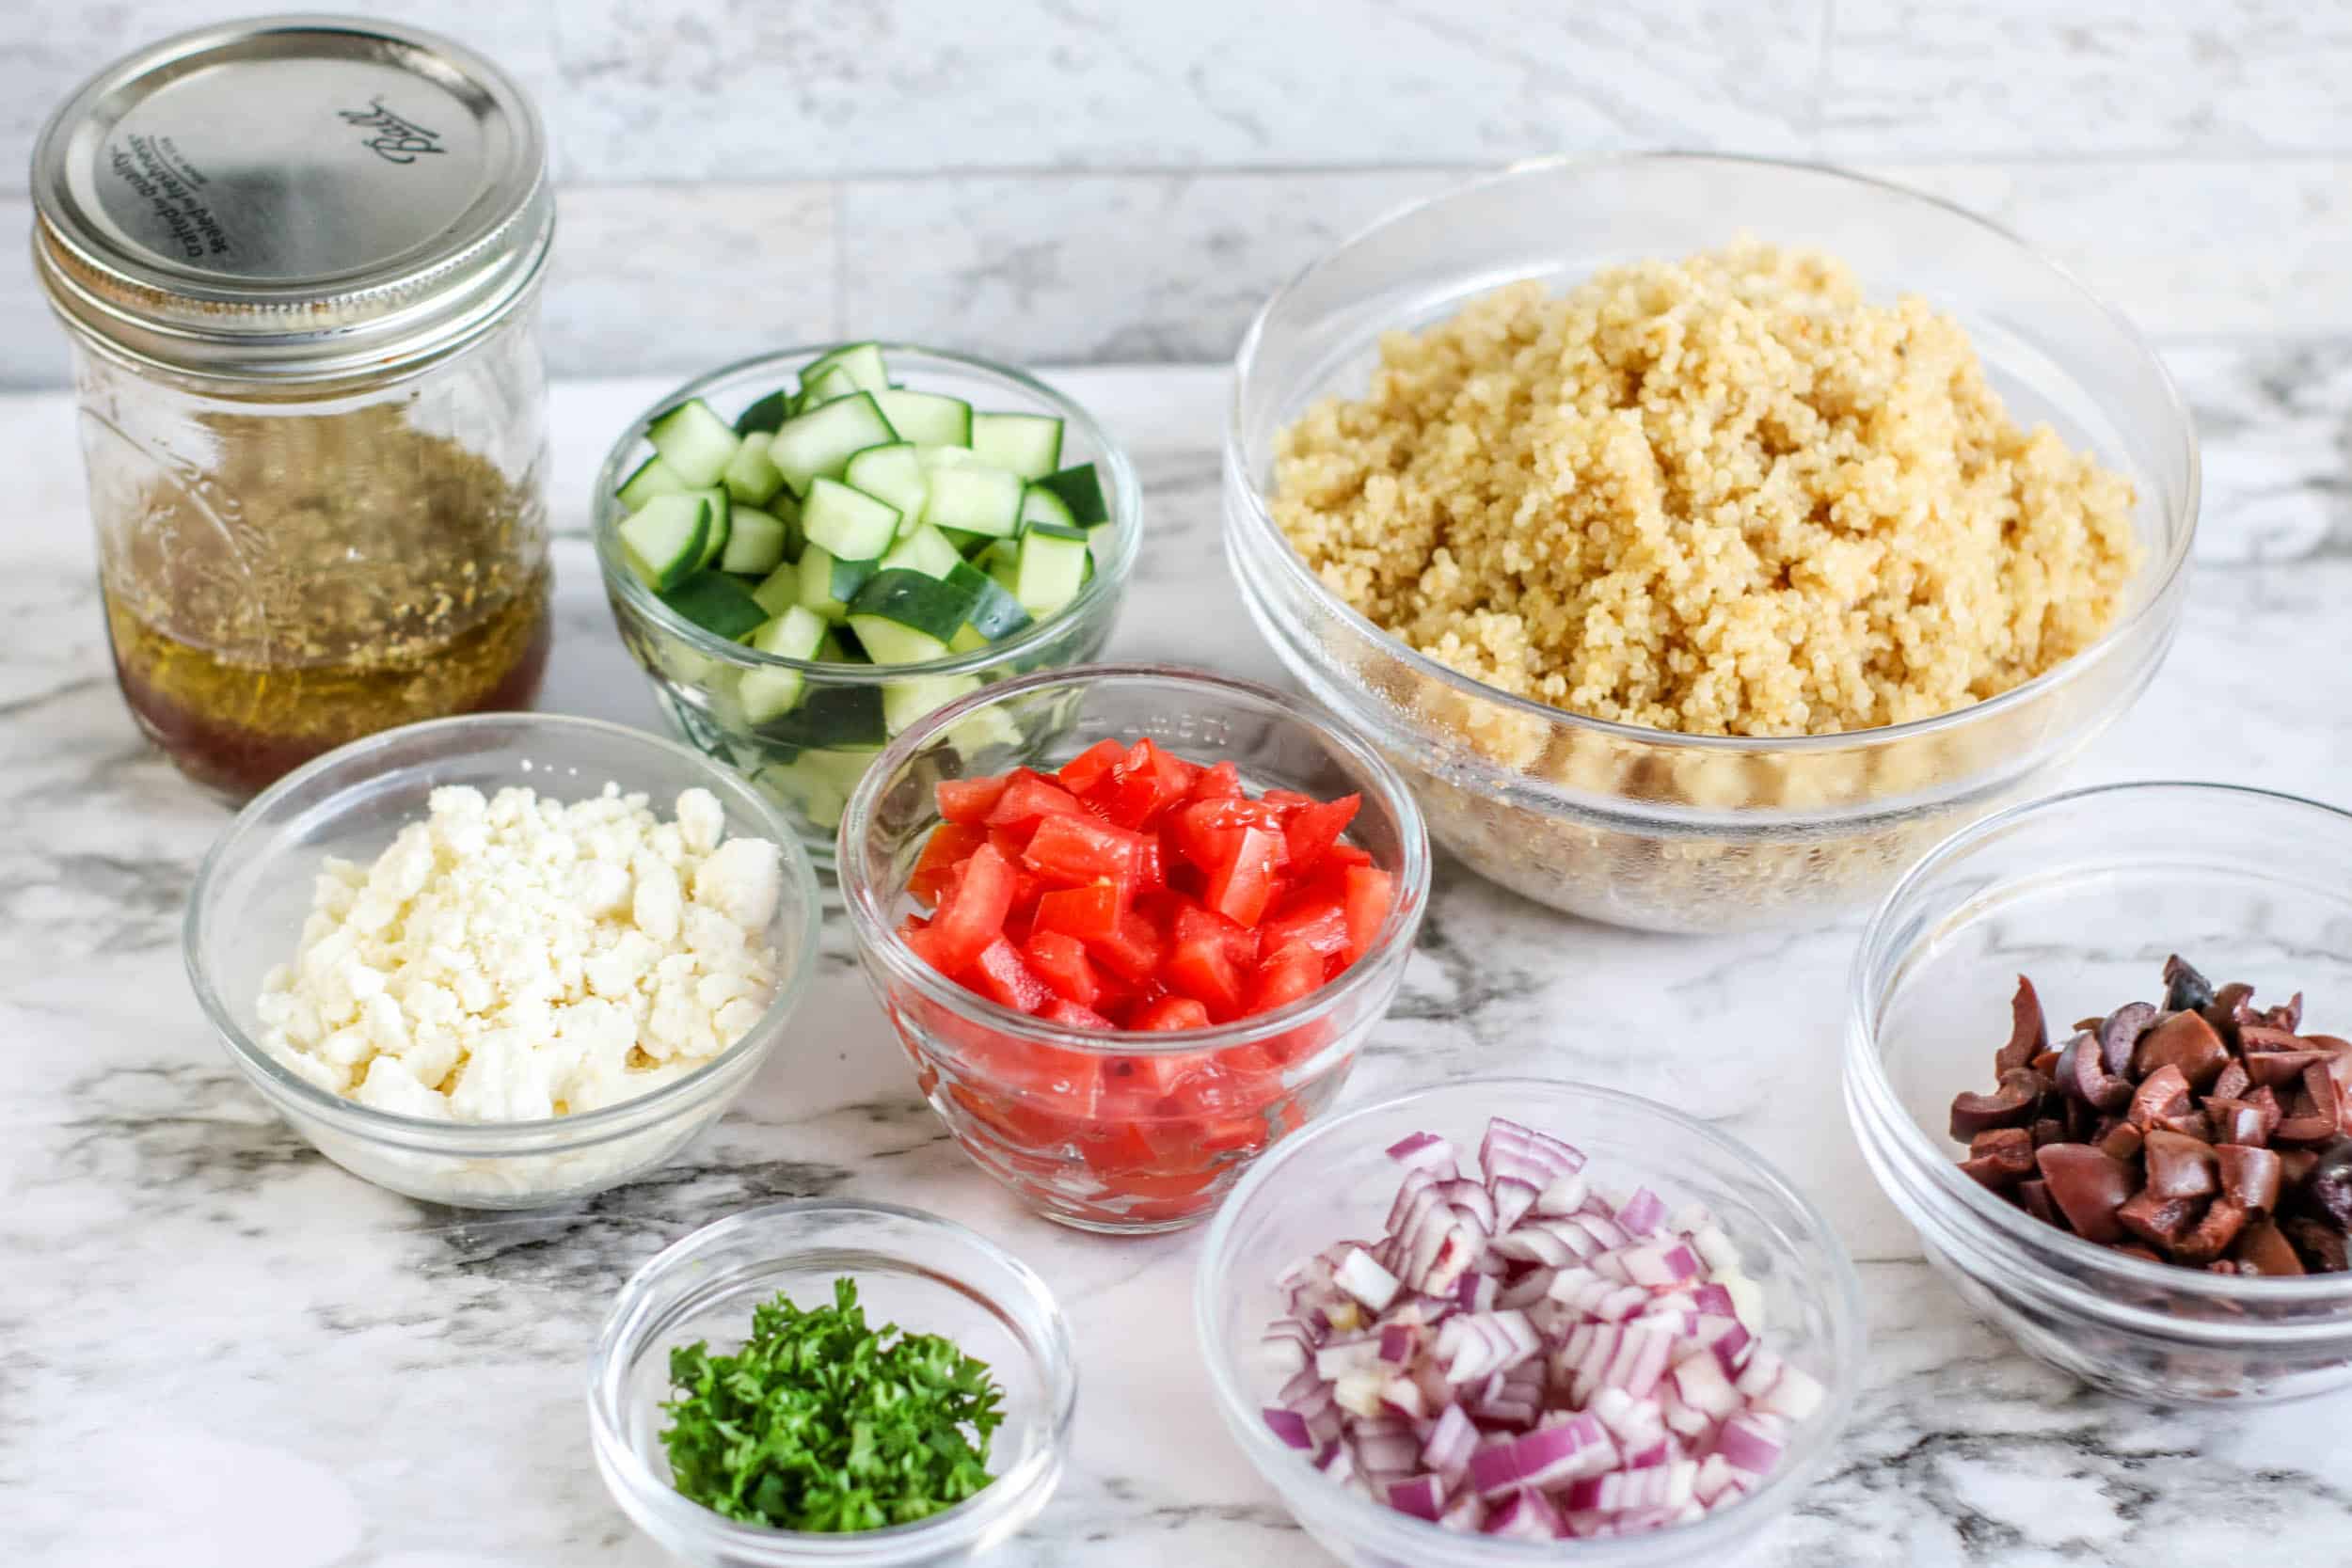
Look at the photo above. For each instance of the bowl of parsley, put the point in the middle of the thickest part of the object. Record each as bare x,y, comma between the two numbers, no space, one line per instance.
832,1382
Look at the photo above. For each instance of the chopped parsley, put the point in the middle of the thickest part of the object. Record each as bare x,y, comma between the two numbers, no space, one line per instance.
821,1423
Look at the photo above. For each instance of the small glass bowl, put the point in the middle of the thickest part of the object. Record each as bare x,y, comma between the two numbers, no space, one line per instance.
1646,827
929,1276
254,889
2087,894
1337,1181
1009,1085
697,674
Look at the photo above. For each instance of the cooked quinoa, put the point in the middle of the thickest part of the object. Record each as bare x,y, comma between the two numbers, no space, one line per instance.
1724,495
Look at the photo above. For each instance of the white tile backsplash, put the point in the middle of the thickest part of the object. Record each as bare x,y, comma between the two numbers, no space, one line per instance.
1096,180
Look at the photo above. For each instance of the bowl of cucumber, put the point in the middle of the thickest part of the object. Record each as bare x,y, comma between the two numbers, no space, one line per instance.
808,551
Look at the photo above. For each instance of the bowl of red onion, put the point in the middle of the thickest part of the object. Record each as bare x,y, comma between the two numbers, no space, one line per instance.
1523,1319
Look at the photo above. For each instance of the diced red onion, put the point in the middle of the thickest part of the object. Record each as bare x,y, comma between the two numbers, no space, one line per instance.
1289,1425
1422,1497
1699,1382
1367,1281
1425,1151
1652,1263
1565,1195
1642,1213
1447,1448
1467,1513
1750,1443
1513,1197
1528,1516
1712,1298
1474,1203
1338,1358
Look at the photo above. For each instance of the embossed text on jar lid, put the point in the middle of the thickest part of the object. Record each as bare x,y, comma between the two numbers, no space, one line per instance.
292,199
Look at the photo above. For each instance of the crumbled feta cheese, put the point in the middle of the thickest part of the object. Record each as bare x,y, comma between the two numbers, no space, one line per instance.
514,958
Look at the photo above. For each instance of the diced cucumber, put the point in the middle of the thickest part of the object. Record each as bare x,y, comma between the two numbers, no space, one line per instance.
904,702
935,458
822,387
781,589
1082,492
1098,543
751,477
820,443
818,800
1025,444
1040,505
862,363
664,539
755,542
975,499
830,715
926,419
851,524
653,478
1053,568
1002,562
815,573
966,640
893,474
721,522
717,602
897,605
928,551
994,612
768,694
764,416
694,442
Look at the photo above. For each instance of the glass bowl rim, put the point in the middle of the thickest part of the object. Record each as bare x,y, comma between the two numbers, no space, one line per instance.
1841,1296
1056,1358
871,926
1870,1089
1123,498
491,1139
1256,520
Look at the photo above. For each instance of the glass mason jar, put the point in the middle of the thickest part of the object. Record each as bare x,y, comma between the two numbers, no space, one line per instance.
300,261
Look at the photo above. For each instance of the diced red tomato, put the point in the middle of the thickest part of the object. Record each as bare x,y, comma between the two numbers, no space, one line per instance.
1314,828
968,801
1370,892
1082,772
1287,973
950,845
1060,960
973,913
1029,796
1131,892
1002,975
1074,851
1170,1012
1242,886
1220,782
1085,912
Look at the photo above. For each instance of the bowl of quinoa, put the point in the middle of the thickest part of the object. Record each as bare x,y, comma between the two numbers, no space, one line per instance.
1705,536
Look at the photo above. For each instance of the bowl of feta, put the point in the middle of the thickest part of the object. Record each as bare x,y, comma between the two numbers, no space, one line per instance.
503,960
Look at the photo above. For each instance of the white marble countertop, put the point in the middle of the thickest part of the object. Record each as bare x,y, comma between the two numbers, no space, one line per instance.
218,1350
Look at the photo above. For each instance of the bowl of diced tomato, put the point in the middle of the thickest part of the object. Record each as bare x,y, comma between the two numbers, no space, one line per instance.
1132,924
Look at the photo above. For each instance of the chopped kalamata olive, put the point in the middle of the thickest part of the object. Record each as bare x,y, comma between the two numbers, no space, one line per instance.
2222,1011
2162,1096
2288,1015
2234,1122
2232,1084
2033,1196
2119,1037
2048,1130
2223,1219
2263,1248
2265,1099
2249,1177
2322,1247
2295,1166
2260,1040
2185,990
2326,1189
2312,1117
2087,1186
2161,1222
2028,1036
2140,1250
2013,1104
2186,1042
2083,1076
2181,1166
2118,1138
2281,1070
2000,1156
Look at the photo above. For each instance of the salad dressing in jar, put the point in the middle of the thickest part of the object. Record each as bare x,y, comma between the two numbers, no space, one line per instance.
299,261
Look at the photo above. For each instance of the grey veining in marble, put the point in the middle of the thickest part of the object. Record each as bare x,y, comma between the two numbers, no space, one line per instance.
1105,181
305,1373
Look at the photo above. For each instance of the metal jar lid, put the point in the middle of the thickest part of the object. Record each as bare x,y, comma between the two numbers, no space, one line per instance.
292,199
